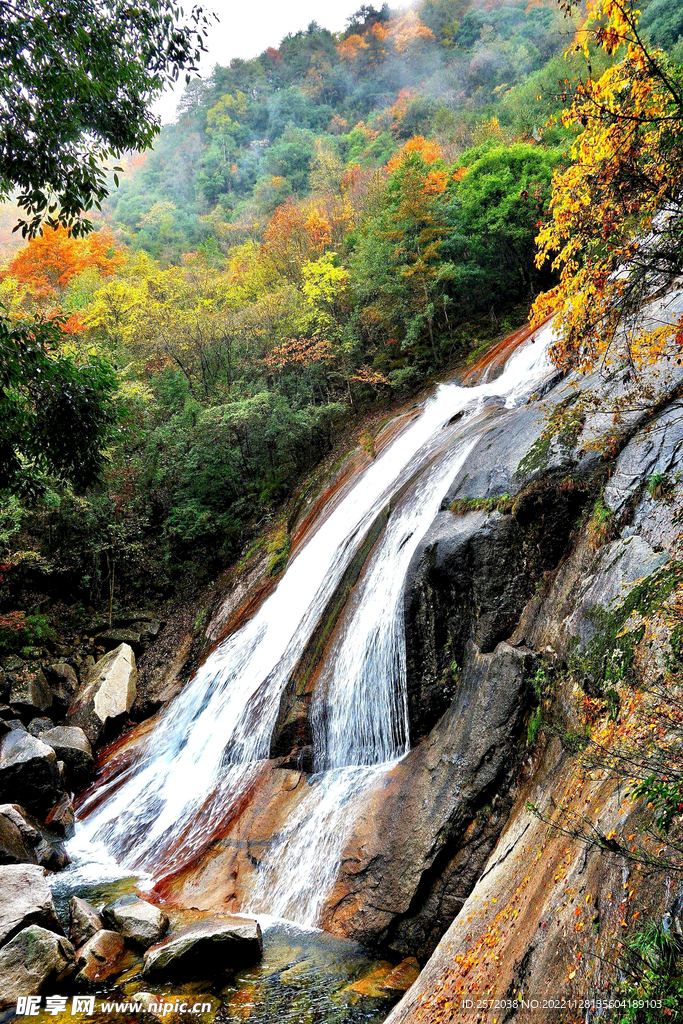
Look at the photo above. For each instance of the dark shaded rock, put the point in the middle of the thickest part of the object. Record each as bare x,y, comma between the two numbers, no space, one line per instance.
12,663
101,704
115,637
6,712
28,772
141,922
62,817
470,580
30,695
39,725
13,848
206,950
83,922
26,900
34,961
16,724
300,760
22,841
71,746
100,957
151,631
63,682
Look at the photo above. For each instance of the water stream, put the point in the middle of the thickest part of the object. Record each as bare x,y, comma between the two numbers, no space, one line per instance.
212,739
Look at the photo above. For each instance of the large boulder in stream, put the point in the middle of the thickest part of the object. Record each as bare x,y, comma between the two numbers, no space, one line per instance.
100,957
34,961
140,922
101,705
206,949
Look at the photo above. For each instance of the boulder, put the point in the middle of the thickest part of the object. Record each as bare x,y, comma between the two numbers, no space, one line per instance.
34,961
26,900
28,772
22,841
83,922
63,683
71,746
141,922
14,849
206,949
100,957
30,694
107,695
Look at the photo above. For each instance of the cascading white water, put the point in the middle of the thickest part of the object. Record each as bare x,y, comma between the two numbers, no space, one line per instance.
207,746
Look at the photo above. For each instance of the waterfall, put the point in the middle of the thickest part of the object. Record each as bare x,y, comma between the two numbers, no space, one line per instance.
212,739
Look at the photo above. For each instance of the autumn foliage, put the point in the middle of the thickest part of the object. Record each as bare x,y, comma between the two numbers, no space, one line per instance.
51,260
614,236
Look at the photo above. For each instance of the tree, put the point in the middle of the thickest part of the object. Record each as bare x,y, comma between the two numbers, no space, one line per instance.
498,198
54,414
396,268
76,83
617,220
51,260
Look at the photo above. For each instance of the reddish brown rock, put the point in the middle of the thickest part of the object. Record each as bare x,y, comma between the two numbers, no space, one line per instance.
100,957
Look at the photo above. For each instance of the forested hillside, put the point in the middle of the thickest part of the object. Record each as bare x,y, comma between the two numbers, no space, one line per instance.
327,227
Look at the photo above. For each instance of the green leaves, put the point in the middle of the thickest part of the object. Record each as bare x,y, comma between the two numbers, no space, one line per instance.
55,414
77,82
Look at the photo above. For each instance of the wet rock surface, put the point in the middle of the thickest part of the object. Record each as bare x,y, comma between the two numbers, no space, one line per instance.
100,957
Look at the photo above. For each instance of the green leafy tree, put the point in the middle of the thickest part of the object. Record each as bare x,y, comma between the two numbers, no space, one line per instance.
55,414
76,84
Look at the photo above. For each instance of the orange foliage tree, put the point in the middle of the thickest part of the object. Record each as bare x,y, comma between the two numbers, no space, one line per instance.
51,260
615,231
297,233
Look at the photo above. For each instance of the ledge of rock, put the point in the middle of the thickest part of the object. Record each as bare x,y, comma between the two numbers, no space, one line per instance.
208,948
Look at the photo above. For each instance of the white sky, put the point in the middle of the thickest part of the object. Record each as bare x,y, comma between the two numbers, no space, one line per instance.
246,27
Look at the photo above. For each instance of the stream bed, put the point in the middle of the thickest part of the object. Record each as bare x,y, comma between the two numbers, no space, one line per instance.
306,976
